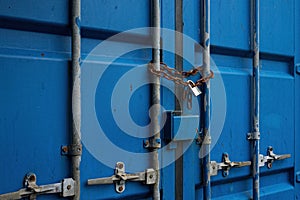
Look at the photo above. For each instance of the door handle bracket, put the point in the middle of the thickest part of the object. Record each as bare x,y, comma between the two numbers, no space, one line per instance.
226,165
148,177
271,157
65,188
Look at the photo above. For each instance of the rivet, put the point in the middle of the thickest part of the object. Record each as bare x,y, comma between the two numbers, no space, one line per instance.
65,149
120,188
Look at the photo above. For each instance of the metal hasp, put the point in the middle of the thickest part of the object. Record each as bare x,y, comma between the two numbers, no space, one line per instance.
155,92
180,127
76,93
225,165
31,190
255,98
206,99
148,177
271,157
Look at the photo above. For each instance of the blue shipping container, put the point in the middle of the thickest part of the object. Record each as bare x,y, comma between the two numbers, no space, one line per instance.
87,85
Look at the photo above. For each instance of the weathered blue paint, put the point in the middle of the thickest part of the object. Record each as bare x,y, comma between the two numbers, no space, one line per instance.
256,98
35,76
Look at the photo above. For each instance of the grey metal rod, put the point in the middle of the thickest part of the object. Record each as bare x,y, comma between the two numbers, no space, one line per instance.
256,97
155,93
76,95
179,94
206,103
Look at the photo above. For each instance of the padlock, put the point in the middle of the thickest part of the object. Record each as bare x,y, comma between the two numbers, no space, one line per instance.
196,91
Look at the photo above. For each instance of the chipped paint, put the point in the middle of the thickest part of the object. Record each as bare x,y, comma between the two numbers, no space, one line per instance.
78,21
207,42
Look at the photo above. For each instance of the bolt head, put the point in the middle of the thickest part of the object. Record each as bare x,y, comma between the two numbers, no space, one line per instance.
69,187
270,148
65,149
269,165
32,178
146,143
120,165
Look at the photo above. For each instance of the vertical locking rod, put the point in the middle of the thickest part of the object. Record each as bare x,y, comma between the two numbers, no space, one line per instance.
179,95
155,93
206,103
76,94
256,97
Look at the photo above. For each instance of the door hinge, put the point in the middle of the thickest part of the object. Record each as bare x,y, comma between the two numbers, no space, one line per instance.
271,157
147,177
225,165
65,188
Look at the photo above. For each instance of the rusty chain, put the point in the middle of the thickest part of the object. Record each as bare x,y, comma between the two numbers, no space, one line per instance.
177,76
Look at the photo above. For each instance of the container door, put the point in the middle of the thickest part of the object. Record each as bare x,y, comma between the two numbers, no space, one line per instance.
35,96
230,40
36,93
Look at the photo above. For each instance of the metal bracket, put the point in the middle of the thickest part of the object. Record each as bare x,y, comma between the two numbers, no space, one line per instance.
71,150
206,140
253,136
225,165
152,143
66,188
180,127
147,177
271,157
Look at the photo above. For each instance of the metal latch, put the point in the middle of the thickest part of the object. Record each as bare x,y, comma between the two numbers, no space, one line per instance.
148,177
66,188
225,165
271,157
